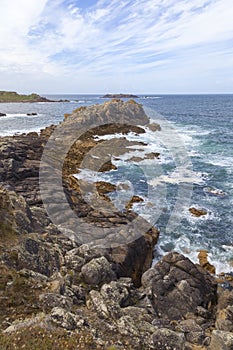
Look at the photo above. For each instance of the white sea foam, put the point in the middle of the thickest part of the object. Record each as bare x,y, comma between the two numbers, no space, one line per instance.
220,160
18,131
220,258
18,115
180,175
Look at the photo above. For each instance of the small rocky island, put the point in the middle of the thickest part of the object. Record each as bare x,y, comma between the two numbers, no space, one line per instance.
120,96
12,96
57,292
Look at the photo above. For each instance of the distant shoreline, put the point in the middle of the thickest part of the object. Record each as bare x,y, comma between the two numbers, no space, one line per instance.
14,97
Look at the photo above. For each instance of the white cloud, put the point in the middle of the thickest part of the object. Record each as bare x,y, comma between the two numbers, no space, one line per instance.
121,40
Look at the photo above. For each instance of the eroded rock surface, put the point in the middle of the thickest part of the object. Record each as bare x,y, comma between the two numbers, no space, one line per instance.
55,289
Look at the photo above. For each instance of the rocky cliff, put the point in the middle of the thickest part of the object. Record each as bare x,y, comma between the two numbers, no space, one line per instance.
56,289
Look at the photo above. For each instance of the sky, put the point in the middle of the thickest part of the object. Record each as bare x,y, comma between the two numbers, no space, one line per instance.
113,46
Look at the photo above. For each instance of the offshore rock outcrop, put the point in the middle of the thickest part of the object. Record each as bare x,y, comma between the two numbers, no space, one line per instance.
54,286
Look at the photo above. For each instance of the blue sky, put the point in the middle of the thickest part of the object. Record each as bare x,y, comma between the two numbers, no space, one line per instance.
140,46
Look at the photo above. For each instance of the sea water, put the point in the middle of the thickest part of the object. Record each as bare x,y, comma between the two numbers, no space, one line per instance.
195,167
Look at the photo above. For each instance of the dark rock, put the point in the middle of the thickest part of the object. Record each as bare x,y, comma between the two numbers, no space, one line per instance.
2,115
176,287
120,96
33,113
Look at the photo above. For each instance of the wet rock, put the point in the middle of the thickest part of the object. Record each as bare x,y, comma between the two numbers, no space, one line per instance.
166,339
176,287
221,340
134,199
97,271
2,114
197,212
107,166
154,127
203,260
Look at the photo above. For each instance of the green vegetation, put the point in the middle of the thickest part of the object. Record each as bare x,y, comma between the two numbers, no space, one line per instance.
12,96
42,339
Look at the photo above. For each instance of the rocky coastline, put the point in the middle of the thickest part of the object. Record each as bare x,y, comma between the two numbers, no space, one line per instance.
59,291
14,97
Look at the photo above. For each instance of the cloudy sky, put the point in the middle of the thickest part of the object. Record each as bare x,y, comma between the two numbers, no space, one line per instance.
99,46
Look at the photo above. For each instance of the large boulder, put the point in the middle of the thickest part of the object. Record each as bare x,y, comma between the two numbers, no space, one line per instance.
98,271
177,287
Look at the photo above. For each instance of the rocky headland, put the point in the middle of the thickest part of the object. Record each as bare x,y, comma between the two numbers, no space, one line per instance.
120,96
12,96
65,286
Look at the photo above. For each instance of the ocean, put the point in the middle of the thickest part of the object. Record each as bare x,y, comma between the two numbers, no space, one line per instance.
195,168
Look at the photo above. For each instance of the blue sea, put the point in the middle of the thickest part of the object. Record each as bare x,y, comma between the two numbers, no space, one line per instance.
195,168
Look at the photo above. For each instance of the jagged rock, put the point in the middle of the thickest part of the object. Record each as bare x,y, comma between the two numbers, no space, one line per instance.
97,271
193,332
224,320
73,260
2,114
166,339
36,255
126,326
15,215
221,340
203,260
176,287
133,259
40,218
97,302
117,291
50,300
77,294
65,319
88,252
108,303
